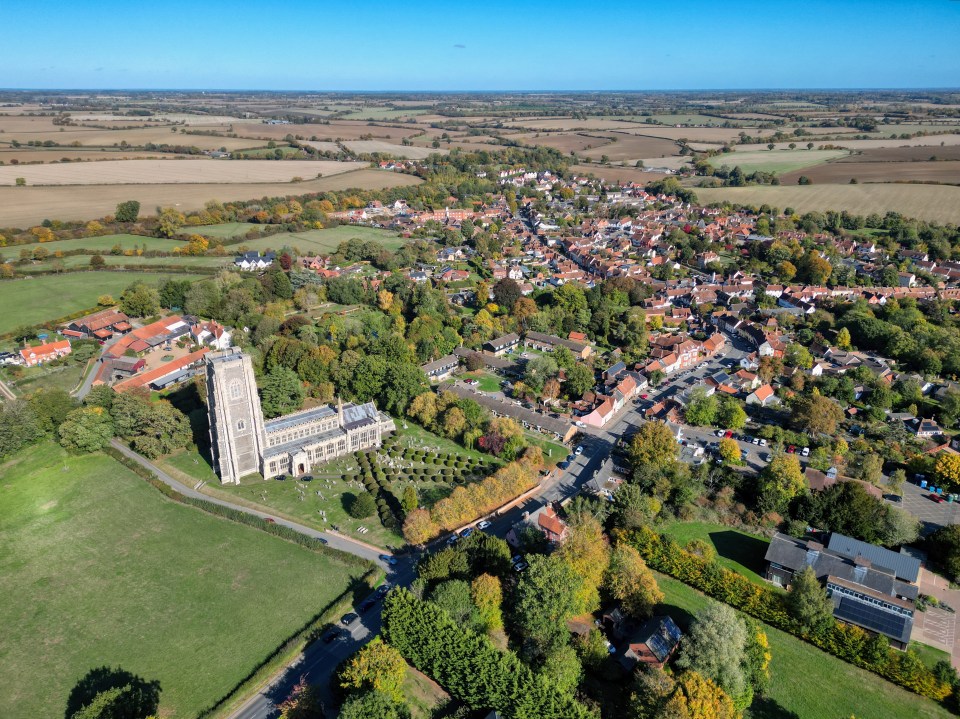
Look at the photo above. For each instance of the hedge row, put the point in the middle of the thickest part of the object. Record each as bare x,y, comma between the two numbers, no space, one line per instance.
468,666
183,269
236,515
844,641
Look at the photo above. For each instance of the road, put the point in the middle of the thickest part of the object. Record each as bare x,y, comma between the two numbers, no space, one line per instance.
88,380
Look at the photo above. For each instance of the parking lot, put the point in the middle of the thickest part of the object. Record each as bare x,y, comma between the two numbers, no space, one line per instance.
917,502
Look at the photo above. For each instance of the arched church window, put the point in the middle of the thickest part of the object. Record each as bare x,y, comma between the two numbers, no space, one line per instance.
235,389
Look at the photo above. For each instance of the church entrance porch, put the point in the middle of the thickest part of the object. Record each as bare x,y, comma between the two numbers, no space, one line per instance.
299,463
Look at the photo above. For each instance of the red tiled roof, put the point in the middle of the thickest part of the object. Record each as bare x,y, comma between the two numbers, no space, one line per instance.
146,378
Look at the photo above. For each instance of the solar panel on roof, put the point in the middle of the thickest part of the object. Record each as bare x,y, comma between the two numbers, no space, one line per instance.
871,617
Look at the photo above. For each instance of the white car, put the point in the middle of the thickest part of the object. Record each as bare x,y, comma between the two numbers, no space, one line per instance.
756,440
578,423
579,450
805,451
483,524
720,433
763,443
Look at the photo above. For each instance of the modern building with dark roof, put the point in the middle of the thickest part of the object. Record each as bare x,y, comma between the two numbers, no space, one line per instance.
871,587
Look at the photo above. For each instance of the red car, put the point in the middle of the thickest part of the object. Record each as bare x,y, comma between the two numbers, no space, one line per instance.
791,449
728,434
644,396
937,498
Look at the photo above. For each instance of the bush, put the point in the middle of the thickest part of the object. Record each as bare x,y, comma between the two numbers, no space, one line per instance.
361,506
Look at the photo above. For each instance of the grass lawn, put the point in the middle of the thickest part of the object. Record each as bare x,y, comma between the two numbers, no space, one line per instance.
779,161
488,382
423,695
226,230
65,377
335,481
121,260
103,244
326,241
736,550
929,655
806,682
33,300
553,452
107,571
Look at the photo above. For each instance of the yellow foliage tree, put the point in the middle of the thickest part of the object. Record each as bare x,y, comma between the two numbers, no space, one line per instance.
696,697
377,666
487,595
631,582
587,552
947,469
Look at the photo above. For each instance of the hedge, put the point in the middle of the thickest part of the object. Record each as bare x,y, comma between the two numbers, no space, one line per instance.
844,641
236,515
468,666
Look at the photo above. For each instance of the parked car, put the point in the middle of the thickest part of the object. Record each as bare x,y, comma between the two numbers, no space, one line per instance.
895,498
579,450
348,619
516,559
520,566
331,635
563,465
281,477
388,559
466,532
644,396
269,519
483,524
763,443
721,433
728,434
578,423
306,478
791,449
367,606
805,451
939,499
756,440
453,539
382,591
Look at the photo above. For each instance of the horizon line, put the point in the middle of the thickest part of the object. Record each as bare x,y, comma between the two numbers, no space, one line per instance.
485,91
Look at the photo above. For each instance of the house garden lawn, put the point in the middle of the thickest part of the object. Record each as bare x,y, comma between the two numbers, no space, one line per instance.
31,379
929,655
736,550
423,695
488,381
35,300
806,682
105,570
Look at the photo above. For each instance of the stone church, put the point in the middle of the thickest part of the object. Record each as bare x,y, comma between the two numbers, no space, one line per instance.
243,443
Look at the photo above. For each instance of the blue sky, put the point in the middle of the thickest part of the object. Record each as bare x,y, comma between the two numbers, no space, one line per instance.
417,45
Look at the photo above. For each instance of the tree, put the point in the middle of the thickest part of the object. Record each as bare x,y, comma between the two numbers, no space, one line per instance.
86,429
402,382
169,222
373,704
97,262
588,554
653,445
947,470
697,697
487,596
506,292
779,482
630,581
563,670
579,380
633,508
539,370
716,648
808,603
816,414
139,300
377,667
943,547
113,693
127,211
361,506
282,392
303,703
729,451
545,598
409,501
702,408
419,527
730,414
843,339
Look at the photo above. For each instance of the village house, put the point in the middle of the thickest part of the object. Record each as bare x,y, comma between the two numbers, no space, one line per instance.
212,334
442,368
503,344
252,261
32,356
101,325
547,343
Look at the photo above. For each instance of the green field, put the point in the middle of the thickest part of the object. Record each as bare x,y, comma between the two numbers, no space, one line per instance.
326,241
778,161
99,244
98,568
31,379
806,682
736,550
33,300
938,203
122,260
225,230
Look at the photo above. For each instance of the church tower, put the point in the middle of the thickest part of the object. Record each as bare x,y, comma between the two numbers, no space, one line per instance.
236,421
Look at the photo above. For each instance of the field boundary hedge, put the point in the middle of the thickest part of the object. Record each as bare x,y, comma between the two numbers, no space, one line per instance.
235,515
844,641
